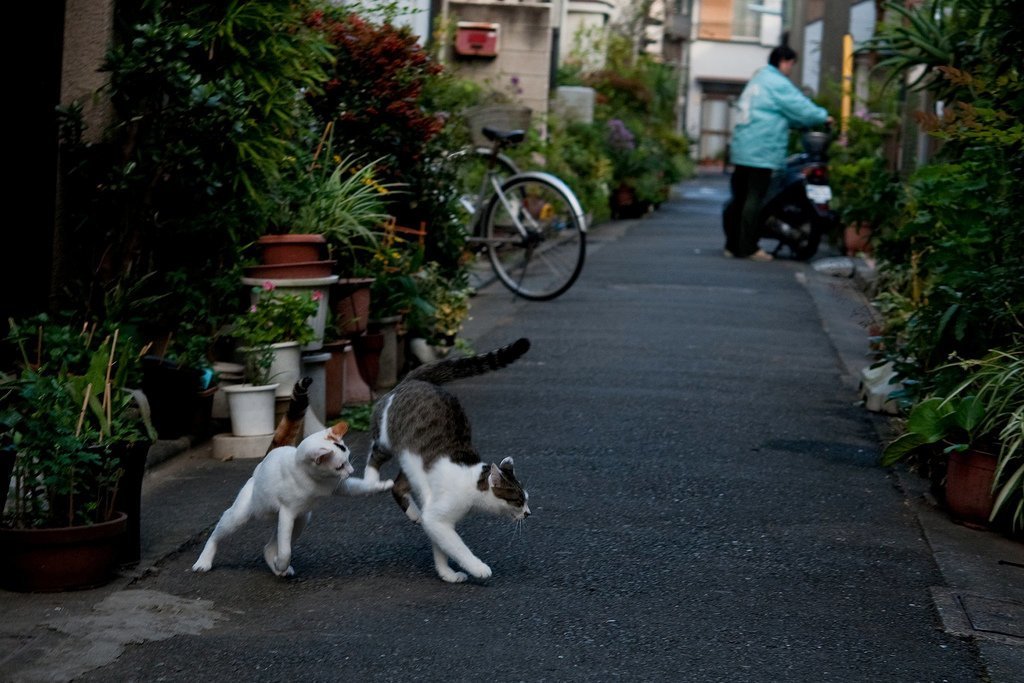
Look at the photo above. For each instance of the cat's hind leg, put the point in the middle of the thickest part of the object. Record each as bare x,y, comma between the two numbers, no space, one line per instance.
402,492
232,519
445,538
378,456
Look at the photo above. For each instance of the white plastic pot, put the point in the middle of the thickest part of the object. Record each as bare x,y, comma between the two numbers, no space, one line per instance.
251,408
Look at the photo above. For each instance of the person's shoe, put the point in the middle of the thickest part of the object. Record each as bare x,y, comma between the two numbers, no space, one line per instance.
761,256
727,254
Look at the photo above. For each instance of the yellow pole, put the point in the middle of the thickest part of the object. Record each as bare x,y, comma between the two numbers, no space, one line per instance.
847,96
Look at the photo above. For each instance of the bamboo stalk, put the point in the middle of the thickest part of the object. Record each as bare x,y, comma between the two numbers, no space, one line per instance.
320,146
81,415
107,400
71,493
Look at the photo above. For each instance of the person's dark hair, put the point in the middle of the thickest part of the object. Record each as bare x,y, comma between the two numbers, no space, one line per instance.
782,52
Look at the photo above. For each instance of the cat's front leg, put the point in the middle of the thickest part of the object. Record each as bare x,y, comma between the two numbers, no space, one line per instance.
362,487
444,570
448,540
278,552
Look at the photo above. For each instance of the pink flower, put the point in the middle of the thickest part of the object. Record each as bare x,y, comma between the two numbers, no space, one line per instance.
268,286
316,295
252,309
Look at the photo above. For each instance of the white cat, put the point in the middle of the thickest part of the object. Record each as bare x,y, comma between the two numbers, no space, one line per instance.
286,484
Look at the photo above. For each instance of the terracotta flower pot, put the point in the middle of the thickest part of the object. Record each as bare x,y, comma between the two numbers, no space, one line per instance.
969,479
334,377
296,270
352,305
857,239
368,348
66,558
278,249
387,368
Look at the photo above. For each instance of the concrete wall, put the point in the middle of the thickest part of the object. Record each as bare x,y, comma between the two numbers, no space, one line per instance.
524,48
88,26
585,21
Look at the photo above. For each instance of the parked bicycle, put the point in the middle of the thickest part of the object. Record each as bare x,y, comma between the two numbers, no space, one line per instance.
530,223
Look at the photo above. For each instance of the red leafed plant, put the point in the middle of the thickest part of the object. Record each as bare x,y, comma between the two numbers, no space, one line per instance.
373,91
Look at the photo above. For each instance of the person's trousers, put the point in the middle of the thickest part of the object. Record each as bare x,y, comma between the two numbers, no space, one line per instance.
741,222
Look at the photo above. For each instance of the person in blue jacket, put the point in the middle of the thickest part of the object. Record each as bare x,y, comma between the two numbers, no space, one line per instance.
769,105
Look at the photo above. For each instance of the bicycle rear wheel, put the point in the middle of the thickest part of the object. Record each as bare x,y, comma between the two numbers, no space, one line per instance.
546,261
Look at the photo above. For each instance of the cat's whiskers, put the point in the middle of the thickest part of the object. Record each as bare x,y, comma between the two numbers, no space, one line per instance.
517,530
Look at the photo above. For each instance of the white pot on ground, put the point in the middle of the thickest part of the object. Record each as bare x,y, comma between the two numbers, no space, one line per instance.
251,408
287,367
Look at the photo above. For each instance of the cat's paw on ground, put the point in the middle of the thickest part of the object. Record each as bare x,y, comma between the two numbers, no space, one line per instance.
454,577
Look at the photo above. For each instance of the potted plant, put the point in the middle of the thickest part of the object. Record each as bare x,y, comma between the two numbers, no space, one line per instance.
865,187
969,439
281,322
433,328
997,382
80,439
178,380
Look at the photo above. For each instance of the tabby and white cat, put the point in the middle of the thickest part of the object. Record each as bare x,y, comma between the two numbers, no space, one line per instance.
284,486
426,429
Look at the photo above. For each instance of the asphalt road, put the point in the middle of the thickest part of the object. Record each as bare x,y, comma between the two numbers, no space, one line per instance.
705,495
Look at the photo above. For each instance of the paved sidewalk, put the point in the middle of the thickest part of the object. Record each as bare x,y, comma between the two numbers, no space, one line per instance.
65,636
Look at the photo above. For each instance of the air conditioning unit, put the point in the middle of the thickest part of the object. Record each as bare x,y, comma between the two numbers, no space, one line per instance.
677,27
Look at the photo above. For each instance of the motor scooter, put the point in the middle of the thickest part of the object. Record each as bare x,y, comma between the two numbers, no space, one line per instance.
796,209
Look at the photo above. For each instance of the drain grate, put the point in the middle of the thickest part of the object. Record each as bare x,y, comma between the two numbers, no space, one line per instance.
994,616
967,614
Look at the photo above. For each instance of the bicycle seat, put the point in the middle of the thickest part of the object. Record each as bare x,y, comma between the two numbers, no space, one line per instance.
509,137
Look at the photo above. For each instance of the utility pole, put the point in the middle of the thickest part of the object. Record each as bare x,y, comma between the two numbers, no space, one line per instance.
796,22
836,25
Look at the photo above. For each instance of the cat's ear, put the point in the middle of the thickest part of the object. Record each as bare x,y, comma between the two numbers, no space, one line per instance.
339,430
493,477
501,473
320,456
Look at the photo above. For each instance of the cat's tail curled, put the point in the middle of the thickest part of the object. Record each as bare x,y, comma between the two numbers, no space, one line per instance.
451,369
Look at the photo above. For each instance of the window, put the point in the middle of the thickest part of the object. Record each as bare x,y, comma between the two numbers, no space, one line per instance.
746,23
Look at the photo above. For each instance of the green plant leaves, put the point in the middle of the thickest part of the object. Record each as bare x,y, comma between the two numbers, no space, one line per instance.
900,447
952,420
928,420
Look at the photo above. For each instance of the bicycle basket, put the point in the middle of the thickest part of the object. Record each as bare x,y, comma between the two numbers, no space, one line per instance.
500,116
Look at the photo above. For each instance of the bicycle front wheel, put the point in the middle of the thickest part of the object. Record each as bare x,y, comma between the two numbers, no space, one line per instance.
535,238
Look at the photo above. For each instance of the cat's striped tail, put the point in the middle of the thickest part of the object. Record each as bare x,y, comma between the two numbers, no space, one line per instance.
451,369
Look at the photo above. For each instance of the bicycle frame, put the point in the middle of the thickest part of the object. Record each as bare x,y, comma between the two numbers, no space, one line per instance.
484,195
521,218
